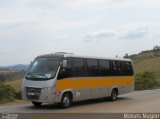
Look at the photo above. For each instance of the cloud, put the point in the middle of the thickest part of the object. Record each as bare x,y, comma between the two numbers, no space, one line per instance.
104,4
138,30
91,4
4,50
34,27
135,33
101,34
51,25
132,31
16,26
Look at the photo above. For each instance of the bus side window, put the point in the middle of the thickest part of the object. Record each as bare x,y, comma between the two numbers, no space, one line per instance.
117,68
92,67
79,67
105,67
127,68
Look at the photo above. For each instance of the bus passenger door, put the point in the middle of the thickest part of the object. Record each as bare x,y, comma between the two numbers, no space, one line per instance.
79,86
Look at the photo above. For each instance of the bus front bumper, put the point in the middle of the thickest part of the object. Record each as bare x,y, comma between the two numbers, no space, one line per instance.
44,95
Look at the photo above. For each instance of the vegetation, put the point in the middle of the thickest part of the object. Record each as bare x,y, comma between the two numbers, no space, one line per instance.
7,93
151,65
145,55
10,75
145,80
147,68
156,50
10,85
16,84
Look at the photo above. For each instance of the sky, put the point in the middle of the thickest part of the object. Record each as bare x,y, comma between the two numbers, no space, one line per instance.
107,28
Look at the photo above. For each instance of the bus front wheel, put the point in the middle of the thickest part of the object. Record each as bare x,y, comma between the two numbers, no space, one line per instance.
114,95
66,100
37,104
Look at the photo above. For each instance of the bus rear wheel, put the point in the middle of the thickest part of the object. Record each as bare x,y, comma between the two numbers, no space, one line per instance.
114,95
66,100
37,104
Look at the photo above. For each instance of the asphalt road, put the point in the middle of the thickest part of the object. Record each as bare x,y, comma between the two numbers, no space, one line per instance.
147,101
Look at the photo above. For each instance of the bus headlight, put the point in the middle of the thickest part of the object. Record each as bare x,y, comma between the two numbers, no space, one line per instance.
45,90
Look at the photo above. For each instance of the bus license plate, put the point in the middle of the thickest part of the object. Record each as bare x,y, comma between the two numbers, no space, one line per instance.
31,93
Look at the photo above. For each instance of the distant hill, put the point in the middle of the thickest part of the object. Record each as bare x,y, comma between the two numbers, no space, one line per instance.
4,69
147,61
17,67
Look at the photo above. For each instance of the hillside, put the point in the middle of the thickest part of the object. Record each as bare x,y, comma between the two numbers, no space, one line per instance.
16,84
17,67
147,61
152,64
13,78
11,75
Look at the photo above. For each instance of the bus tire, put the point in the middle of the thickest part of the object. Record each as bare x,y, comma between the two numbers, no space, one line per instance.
114,95
37,104
66,100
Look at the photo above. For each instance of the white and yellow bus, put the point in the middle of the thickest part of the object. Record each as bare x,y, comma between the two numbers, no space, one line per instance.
64,78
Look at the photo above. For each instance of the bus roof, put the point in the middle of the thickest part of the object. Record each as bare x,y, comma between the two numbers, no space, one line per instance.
64,55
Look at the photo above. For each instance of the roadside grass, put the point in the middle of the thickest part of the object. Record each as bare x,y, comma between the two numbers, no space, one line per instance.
151,64
16,84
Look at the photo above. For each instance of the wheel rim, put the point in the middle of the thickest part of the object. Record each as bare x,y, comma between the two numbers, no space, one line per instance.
66,101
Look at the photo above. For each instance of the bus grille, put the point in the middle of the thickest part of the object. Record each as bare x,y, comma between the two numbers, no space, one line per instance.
33,93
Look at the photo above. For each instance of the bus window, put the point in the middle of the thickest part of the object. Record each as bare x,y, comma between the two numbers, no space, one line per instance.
79,67
127,68
92,67
117,68
105,69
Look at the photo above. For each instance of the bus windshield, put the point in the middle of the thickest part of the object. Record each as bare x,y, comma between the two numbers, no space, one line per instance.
43,68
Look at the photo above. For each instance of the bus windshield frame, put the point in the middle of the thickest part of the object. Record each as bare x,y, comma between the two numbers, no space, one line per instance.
43,69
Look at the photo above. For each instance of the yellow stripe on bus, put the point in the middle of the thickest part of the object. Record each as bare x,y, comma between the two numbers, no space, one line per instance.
93,82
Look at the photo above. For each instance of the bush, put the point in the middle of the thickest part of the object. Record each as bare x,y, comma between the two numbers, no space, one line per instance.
18,95
7,93
145,80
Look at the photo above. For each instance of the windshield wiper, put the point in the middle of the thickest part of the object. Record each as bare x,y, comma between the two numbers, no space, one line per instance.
41,74
29,75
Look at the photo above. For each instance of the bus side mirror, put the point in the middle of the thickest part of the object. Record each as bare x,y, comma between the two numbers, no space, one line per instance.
64,63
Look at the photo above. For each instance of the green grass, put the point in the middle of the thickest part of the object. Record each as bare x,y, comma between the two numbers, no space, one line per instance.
16,84
11,75
13,78
143,56
150,64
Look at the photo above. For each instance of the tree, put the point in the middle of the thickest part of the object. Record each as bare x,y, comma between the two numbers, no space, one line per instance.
145,80
126,56
156,50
